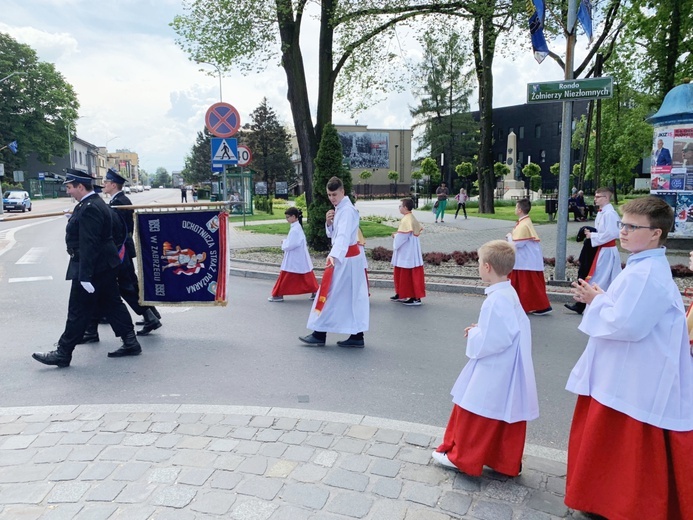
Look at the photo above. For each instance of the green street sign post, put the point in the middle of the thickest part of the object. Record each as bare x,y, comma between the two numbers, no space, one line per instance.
570,90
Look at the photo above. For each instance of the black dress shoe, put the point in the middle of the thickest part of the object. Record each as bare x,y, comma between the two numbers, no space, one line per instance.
125,351
89,337
353,343
573,307
53,358
131,347
151,322
312,341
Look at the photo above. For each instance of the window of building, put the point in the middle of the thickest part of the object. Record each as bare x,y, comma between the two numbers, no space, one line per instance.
500,158
521,134
520,158
500,134
510,130
537,131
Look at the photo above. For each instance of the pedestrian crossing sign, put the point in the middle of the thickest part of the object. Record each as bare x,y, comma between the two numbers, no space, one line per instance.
224,151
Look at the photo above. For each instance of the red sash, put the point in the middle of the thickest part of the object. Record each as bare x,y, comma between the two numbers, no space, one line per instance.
323,291
596,256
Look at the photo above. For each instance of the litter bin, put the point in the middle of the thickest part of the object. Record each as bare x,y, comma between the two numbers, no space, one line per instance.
551,208
213,198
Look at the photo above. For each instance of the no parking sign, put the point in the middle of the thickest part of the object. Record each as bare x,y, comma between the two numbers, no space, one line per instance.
222,120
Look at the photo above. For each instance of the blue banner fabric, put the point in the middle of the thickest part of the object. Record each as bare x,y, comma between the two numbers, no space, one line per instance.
535,10
182,257
585,17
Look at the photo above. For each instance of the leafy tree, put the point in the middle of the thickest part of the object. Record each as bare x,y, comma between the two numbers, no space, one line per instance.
269,142
394,177
444,89
162,178
365,175
464,171
353,45
38,106
500,170
198,163
658,43
533,172
328,164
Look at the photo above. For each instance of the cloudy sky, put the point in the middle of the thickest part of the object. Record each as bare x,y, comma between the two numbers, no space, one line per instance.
139,91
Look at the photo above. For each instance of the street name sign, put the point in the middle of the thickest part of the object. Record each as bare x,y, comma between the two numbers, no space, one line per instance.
570,90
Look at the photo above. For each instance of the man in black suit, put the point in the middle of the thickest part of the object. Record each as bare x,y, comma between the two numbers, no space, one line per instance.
93,271
127,278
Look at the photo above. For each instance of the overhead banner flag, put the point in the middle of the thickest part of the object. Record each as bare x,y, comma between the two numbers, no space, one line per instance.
182,257
585,17
13,146
535,10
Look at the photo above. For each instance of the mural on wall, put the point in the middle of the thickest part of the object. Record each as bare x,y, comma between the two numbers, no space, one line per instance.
672,173
366,150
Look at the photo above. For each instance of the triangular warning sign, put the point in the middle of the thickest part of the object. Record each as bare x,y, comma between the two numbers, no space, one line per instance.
224,153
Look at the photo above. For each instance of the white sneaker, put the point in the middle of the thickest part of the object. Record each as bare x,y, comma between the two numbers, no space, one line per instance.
275,299
442,458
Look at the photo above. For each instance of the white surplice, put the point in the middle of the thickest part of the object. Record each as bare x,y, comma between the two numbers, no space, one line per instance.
296,257
347,308
608,260
498,381
637,359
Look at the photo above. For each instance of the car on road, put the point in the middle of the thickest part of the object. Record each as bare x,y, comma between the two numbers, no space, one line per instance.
139,188
127,190
147,187
16,200
161,187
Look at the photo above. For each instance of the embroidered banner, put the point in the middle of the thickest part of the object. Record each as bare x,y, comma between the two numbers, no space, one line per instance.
182,257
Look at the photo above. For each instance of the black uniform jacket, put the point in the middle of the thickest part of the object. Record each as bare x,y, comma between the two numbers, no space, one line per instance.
89,240
120,199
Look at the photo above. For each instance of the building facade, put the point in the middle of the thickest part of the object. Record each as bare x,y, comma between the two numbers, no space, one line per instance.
538,130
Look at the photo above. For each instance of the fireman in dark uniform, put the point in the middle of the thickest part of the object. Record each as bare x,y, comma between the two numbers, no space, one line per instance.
127,278
93,269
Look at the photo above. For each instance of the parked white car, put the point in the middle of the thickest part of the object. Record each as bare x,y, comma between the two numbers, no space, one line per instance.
147,187
127,190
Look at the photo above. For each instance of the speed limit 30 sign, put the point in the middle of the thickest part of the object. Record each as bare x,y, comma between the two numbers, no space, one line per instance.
244,155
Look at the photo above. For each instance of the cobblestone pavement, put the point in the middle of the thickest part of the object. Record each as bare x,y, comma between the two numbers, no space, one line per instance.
198,462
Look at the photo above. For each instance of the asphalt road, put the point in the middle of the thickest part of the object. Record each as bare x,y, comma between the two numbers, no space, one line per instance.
248,353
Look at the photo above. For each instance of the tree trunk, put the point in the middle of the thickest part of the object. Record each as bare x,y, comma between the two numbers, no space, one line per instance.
484,42
297,93
326,74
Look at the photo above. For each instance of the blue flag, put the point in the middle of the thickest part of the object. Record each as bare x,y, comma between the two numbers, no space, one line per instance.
585,17
182,257
13,146
535,10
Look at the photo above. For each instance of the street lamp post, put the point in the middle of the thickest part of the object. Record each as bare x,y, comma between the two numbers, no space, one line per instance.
218,72
12,74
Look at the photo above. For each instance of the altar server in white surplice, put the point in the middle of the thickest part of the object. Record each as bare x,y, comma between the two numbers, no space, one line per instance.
407,260
341,304
296,272
496,393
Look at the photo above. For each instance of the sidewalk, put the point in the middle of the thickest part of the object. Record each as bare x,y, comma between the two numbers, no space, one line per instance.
201,462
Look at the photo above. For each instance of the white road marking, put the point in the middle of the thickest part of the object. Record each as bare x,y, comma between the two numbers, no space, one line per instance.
30,279
33,256
8,235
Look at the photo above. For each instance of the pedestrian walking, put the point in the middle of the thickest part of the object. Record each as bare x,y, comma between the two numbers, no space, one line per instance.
194,194
183,193
631,439
527,276
341,305
461,199
607,261
442,201
296,272
92,270
496,392
407,260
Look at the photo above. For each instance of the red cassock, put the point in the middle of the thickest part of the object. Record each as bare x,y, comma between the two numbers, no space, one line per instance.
624,469
531,289
295,283
472,442
410,282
